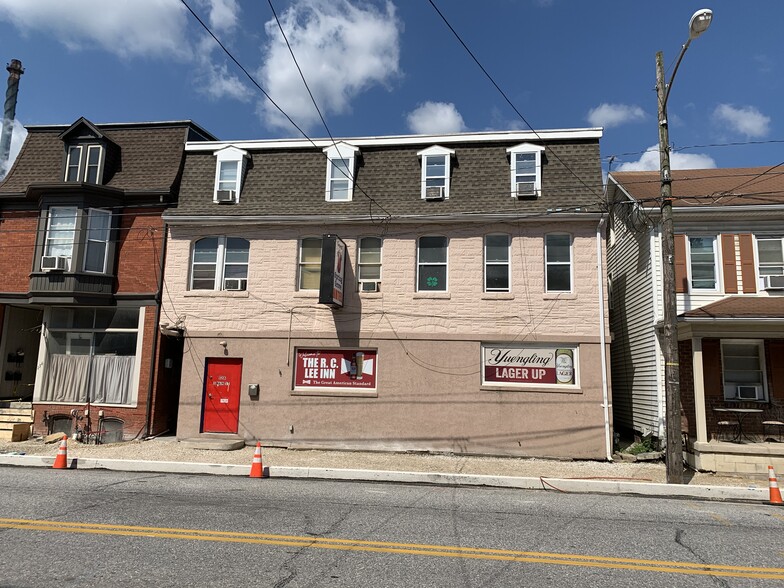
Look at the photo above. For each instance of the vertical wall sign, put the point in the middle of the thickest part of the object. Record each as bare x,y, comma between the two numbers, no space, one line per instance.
333,270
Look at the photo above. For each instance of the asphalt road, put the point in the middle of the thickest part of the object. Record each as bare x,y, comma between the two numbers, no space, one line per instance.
91,528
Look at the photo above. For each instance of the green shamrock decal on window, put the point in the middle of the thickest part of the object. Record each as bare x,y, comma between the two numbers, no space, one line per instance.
432,282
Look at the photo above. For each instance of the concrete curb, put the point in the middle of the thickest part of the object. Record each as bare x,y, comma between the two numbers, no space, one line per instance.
567,485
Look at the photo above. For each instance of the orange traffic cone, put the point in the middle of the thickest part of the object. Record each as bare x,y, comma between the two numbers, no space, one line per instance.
257,468
775,493
61,461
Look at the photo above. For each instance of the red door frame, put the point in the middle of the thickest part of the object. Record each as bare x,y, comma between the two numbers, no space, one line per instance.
221,401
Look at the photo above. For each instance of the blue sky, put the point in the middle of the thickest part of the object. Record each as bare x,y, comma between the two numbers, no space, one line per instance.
381,67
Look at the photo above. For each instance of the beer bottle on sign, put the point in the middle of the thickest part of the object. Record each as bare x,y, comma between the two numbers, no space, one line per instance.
564,366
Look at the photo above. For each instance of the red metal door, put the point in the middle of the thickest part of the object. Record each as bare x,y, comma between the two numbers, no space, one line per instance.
222,395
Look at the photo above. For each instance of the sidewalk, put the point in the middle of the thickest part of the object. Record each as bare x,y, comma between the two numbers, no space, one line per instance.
166,455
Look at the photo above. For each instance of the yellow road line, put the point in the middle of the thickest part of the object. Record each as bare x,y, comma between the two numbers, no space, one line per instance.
398,548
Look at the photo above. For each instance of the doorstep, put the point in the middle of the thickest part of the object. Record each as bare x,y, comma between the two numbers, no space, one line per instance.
215,443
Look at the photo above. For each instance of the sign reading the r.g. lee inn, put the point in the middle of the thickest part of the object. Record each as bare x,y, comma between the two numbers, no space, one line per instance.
513,364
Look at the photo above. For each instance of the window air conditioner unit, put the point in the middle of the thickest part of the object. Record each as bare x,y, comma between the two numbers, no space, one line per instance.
434,193
235,284
51,263
368,286
773,282
525,189
226,196
749,391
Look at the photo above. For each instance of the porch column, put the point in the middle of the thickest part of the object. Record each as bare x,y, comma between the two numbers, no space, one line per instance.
699,389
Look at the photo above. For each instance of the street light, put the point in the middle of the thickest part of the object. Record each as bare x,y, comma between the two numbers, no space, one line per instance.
698,24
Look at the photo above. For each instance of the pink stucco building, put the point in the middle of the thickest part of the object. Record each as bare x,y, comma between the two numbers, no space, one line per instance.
425,293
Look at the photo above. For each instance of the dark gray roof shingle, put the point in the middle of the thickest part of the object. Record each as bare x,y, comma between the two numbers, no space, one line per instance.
289,182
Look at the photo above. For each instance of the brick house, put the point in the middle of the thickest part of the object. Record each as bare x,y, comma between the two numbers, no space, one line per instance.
729,266
81,228
428,293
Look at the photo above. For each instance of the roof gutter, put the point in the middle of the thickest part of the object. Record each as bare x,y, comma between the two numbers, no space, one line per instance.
213,220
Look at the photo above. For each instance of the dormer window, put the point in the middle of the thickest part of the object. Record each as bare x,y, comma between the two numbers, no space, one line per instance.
341,169
84,164
230,168
436,169
525,161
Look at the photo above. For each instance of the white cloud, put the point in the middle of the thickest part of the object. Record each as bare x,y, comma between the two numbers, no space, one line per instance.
433,118
138,28
223,14
342,48
746,120
650,161
125,28
614,115
17,138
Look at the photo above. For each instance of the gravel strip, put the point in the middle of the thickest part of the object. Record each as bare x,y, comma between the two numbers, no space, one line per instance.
168,449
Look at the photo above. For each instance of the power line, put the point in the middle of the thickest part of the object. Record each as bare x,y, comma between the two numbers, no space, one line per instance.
275,104
508,101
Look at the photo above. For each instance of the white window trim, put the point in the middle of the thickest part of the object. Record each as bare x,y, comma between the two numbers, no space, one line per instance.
230,154
716,263
341,150
99,165
90,212
537,150
75,210
300,263
571,264
436,150
508,262
380,258
757,266
420,264
760,343
220,262
68,163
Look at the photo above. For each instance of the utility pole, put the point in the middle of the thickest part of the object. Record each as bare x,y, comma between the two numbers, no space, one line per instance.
669,343
699,23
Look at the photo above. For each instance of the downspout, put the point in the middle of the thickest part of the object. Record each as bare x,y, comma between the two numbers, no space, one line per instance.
603,340
158,305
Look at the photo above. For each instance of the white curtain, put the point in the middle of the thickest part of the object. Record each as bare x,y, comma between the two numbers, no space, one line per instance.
110,378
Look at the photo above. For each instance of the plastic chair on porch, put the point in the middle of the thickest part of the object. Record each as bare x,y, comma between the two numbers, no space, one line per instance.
773,420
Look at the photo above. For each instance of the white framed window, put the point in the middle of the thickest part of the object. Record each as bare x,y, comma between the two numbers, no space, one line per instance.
84,164
770,256
703,269
341,169
497,263
743,369
525,162
220,263
99,225
432,264
369,264
229,170
436,172
309,265
73,165
92,170
558,262
60,232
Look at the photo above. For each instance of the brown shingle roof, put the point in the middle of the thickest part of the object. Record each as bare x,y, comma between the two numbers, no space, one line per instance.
741,186
150,157
741,307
